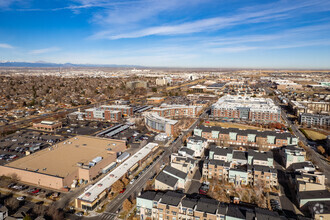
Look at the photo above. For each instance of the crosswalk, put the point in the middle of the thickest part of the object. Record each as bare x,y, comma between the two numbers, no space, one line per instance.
108,216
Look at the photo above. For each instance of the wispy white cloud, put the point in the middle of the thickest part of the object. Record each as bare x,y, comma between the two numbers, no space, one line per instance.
307,32
274,47
6,46
45,50
136,11
79,5
265,13
6,4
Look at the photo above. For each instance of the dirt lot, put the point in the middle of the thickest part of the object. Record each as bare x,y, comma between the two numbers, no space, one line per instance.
231,125
313,135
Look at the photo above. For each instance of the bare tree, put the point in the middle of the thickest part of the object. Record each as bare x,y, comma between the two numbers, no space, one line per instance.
117,186
12,203
39,210
127,205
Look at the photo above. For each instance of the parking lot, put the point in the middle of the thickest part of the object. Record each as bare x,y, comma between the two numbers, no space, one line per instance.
73,127
26,191
16,145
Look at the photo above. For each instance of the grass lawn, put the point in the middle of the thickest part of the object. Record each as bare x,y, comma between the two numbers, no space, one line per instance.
313,135
231,125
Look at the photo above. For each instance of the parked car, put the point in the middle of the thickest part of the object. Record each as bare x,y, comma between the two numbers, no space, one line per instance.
21,198
80,214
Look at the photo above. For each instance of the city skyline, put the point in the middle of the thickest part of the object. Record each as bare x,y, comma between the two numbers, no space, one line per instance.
173,33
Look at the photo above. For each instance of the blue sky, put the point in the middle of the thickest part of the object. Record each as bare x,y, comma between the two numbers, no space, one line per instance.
174,33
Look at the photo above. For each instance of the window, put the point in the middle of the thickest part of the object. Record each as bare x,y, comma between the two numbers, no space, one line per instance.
173,213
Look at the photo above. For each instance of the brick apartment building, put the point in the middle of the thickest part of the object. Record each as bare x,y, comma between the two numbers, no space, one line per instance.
240,167
261,110
97,114
124,109
175,111
157,123
175,206
249,137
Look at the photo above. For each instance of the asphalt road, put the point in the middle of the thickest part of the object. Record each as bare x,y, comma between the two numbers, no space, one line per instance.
318,159
134,189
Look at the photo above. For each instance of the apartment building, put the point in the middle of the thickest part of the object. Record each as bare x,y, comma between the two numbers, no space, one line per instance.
251,157
254,138
157,123
177,111
155,100
174,206
260,175
198,145
240,175
98,114
309,181
301,167
314,119
240,167
162,81
287,85
216,169
291,155
299,107
183,163
124,109
246,108
171,178
263,158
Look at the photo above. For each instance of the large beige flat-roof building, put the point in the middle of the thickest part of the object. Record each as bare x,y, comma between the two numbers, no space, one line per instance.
80,157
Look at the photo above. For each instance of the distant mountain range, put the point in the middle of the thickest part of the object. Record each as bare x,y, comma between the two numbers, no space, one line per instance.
45,64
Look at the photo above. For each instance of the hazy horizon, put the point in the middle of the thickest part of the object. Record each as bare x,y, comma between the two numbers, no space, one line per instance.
175,33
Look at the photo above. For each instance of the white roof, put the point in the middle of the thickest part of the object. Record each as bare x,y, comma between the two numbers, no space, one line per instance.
91,194
254,104
47,122
116,106
153,116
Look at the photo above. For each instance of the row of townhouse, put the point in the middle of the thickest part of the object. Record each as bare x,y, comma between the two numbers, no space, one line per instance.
171,178
291,155
171,205
177,111
241,168
310,190
237,157
246,108
178,174
195,147
182,166
249,137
